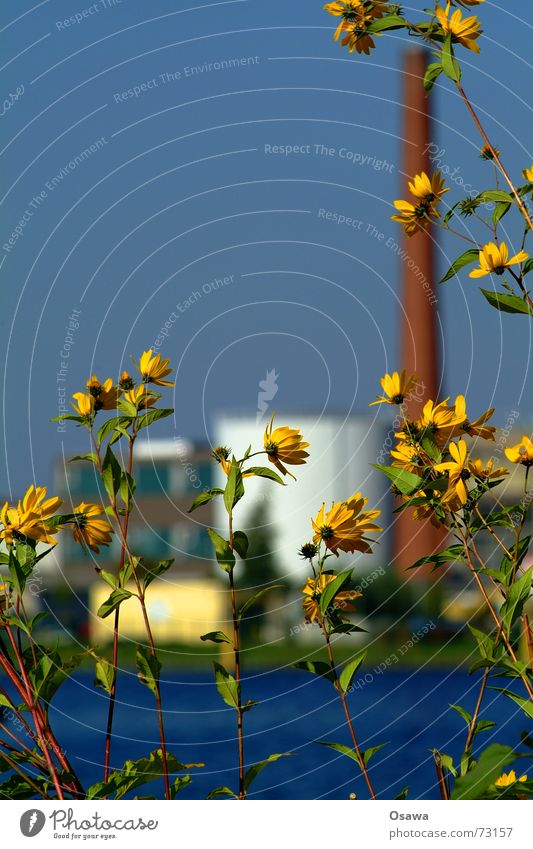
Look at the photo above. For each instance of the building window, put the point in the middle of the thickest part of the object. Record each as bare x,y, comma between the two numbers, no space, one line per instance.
152,478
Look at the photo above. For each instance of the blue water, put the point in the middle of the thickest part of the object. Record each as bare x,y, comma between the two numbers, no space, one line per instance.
408,709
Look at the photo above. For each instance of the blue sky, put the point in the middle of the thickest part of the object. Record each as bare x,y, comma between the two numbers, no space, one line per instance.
189,205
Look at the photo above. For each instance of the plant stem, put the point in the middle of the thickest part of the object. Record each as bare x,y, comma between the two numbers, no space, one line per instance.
493,535
237,655
347,714
113,690
140,595
495,156
495,616
33,707
159,704
443,787
473,723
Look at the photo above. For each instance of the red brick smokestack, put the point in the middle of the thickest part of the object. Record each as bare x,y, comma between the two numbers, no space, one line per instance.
418,322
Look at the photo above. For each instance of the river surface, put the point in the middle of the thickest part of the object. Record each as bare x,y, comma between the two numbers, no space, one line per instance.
409,710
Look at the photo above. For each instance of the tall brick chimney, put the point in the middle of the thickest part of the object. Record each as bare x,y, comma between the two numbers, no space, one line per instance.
419,306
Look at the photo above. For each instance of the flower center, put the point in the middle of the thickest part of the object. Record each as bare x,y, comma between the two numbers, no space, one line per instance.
326,532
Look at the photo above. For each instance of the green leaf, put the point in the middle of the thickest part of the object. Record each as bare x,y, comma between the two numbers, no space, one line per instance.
67,417
483,725
484,643
333,588
433,71
127,489
527,266
240,544
495,196
447,762
450,65
525,704
104,674
471,255
317,667
517,595
253,771
234,486
256,596
150,574
16,787
111,473
508,566
151,416
136,773
500,210
215,637
115,600
346,676
178,784
452,554
108,577
227,686
403,793
149,668
406,482
489,766
347,628
221,791
92,458
205,498
507,303
462,712
351,753
385,23
265,472
223,552
109,426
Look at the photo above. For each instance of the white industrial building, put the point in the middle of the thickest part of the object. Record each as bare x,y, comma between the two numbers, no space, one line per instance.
342,449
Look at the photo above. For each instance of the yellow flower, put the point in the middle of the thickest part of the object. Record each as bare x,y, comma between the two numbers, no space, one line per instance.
90,530
494,259
437,420
83,405
154,369
521,453
105,394
508,778
126,381
458,473
487,153
414,219
355,18
344,526
285,445
29,517
313,589
478,470
477,427
142,398
426,512
527,173
409,457
463,31
396,387
221,454
428,189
